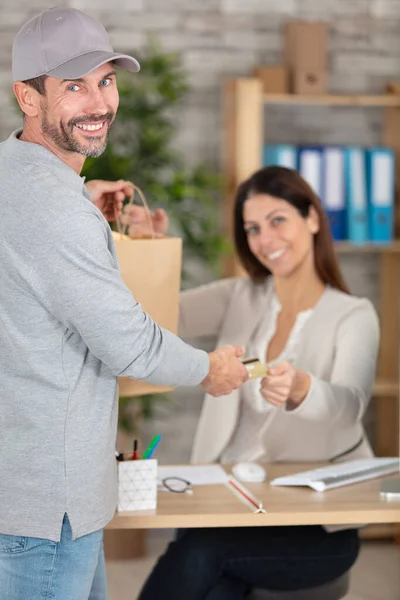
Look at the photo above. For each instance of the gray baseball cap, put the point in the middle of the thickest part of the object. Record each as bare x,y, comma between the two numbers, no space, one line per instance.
64,43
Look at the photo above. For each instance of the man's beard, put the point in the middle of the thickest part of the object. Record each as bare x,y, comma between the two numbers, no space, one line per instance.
63,134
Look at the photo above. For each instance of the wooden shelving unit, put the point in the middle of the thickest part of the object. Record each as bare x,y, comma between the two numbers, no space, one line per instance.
392,248
387,388
244,104
387,100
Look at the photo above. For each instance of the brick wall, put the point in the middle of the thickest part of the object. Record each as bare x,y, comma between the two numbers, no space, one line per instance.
220,38
223,38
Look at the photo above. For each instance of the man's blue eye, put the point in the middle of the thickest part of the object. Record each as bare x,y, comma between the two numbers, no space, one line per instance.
70,88
105,82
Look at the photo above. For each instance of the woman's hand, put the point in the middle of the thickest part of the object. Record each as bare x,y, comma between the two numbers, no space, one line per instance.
285,384
136,219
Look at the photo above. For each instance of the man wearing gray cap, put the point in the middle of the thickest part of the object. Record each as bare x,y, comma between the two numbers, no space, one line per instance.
68,324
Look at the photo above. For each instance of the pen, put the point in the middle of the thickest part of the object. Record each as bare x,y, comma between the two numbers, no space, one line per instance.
135,454
151,447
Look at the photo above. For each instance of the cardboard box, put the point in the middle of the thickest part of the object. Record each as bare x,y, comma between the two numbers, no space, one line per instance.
306,57
309,82
274,79
393,87
306,45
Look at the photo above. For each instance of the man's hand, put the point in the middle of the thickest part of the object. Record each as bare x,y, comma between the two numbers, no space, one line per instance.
227,372
108,196
136,219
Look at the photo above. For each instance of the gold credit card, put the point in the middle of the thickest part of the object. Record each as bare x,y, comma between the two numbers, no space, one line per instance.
255,368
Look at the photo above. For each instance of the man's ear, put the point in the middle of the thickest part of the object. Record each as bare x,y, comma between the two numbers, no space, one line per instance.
28,98
313,220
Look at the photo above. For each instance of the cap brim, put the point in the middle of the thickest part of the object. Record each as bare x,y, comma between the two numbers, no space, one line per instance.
86,63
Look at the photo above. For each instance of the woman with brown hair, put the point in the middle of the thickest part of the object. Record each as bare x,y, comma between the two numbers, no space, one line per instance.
295,313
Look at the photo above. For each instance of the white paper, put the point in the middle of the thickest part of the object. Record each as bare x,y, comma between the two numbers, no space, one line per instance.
334,198
196,474
382,179
357,173
310,169
288,158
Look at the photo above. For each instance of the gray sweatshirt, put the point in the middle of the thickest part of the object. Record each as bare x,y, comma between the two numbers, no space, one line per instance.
68,328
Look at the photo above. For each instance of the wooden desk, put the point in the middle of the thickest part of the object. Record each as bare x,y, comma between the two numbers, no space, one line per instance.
216,506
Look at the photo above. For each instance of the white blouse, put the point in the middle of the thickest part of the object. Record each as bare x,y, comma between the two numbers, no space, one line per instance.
255,413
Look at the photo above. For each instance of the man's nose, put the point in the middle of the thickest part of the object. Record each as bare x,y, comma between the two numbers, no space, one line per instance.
96,103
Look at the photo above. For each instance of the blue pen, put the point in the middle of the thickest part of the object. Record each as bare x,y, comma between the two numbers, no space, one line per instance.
148,453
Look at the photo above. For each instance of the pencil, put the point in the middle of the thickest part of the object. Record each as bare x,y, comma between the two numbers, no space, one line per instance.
245,496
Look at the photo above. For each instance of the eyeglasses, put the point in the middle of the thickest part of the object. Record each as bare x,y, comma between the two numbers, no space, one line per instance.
178,485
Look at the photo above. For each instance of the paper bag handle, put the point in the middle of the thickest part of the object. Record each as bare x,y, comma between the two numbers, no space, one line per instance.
146,208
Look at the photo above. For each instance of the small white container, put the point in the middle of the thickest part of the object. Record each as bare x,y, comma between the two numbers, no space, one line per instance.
137,485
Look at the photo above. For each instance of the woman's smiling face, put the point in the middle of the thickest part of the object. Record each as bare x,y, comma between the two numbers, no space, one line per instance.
278,236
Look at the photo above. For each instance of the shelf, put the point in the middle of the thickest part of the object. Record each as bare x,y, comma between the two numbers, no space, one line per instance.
385,100
386,387
392,247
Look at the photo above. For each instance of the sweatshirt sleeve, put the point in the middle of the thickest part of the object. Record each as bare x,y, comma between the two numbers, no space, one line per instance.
343,399
80,284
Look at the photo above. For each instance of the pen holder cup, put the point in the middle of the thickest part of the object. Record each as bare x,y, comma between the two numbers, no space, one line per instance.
137,485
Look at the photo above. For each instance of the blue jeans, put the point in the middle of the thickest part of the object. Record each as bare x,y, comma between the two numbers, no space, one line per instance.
39,569
225,564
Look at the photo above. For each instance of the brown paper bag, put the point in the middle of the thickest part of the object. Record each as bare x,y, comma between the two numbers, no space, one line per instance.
151,269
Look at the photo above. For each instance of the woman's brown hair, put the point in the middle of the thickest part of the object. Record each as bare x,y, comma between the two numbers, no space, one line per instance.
287,184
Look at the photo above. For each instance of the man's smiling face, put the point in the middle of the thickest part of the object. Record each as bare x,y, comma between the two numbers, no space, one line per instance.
76,115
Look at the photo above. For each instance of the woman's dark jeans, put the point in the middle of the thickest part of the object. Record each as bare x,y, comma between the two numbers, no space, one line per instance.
226,563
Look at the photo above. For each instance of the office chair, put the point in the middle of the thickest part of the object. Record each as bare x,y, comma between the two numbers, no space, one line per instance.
333,590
